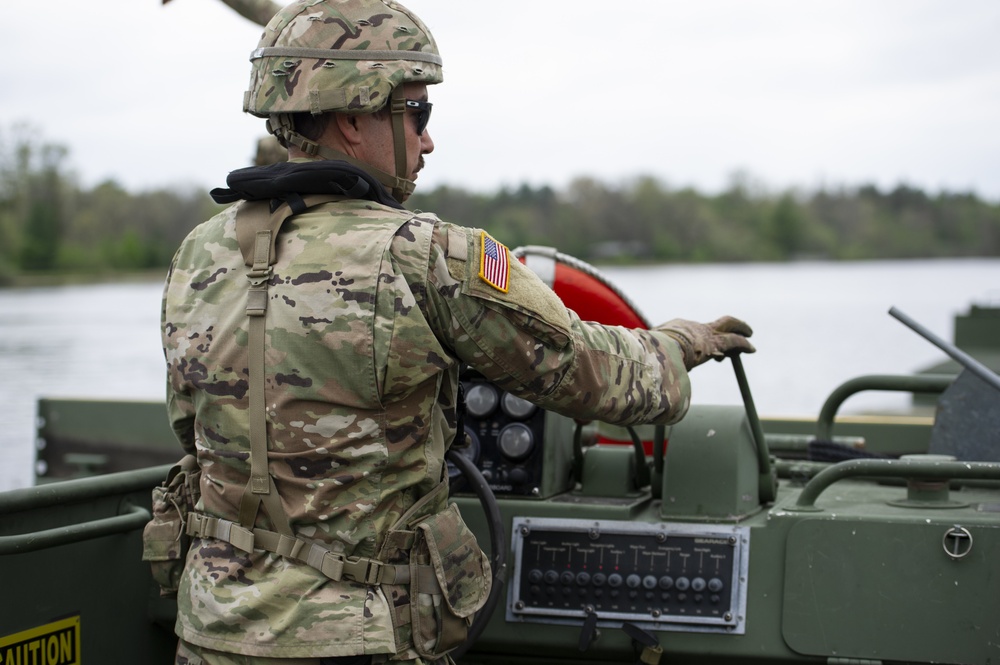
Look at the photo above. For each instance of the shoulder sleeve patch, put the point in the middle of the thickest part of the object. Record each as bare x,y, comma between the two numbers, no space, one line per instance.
494,263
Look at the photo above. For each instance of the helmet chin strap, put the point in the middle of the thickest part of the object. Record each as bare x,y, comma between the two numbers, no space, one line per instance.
281,125
398,112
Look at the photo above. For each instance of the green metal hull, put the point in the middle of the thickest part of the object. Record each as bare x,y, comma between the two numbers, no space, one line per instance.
853,569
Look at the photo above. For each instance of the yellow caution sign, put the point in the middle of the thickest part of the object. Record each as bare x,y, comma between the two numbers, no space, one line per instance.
56,643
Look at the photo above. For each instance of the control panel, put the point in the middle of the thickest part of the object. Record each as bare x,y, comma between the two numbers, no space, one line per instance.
664,576
505,436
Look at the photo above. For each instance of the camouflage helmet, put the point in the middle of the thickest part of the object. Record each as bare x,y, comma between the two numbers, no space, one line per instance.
345,56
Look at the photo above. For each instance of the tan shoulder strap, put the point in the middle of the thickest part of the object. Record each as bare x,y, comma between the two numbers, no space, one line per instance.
257,228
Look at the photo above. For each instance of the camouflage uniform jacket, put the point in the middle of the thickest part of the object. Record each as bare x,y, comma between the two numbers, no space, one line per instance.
371,311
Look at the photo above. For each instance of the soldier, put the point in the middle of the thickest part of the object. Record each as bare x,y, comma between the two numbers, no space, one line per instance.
314,332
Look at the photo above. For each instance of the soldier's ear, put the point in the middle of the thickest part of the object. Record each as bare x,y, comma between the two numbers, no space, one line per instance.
349,127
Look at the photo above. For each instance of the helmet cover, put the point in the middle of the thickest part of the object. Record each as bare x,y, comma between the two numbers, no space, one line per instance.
339,55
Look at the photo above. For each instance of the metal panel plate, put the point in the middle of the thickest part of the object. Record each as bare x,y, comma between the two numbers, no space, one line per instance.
889,591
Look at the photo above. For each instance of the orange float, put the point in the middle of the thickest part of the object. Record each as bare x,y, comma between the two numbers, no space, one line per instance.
581,287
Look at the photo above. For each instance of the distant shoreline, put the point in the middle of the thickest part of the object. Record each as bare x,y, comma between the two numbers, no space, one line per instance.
39,280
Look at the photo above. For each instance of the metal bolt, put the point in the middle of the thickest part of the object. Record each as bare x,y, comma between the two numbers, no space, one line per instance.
525,531
661,537
519,605
728,616
656,614
732,540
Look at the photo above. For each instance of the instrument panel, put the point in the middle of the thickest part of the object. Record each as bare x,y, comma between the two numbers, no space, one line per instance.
664,576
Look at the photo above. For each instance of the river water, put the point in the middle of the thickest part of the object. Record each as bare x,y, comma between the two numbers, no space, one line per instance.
816,325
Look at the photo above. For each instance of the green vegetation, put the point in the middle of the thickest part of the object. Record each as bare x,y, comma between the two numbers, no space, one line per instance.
50,225
644,220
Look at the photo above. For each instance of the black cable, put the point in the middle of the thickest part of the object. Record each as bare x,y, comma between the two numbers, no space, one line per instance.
498,545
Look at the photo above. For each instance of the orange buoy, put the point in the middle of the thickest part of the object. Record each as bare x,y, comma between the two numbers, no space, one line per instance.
582,287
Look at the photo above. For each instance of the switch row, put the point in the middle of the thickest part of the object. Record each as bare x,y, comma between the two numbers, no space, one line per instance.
632,581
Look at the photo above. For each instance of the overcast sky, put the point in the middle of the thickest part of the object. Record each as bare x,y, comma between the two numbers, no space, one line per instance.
795,93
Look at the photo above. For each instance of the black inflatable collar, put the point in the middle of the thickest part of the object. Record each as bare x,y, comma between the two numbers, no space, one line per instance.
290,181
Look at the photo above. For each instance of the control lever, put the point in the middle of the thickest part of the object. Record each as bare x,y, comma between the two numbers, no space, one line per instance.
588,631
650,651
767,483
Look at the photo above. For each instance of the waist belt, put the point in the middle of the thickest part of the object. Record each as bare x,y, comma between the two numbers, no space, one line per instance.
334,565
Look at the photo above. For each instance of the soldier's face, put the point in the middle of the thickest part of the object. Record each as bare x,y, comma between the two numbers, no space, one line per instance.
378,145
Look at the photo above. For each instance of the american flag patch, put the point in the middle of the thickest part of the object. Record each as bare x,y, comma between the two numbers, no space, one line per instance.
494,268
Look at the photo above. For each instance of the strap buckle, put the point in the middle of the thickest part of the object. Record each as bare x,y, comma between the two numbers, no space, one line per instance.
398,105
200,525
259,278
363,570
257,295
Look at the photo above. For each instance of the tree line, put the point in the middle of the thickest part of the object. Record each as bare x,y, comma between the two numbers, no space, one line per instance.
645,220
49,223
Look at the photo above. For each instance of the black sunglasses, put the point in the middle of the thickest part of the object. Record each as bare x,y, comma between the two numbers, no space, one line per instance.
423,113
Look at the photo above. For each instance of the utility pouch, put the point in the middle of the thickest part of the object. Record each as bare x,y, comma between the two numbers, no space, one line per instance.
164,539
443,606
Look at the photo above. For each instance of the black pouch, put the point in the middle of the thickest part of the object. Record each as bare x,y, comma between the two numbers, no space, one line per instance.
164,539
443,606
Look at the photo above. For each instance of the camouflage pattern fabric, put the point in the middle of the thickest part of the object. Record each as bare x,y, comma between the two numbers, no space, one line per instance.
371,311
368,49
191,654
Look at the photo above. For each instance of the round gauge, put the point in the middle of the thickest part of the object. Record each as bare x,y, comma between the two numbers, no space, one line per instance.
481,400
516,441
515,407
470,451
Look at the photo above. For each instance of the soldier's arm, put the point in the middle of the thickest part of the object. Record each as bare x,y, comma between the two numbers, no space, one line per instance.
180,407
525,340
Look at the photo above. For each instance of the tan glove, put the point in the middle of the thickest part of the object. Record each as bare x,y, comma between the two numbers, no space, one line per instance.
701,341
